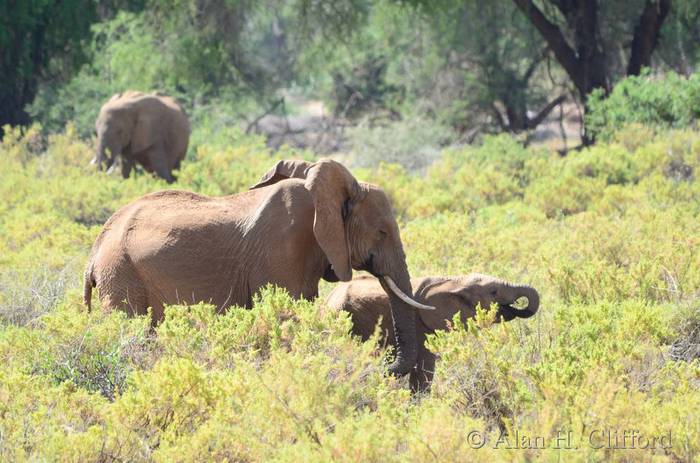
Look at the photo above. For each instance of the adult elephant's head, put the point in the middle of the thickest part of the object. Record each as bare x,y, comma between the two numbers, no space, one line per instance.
356,229
462,294
114,127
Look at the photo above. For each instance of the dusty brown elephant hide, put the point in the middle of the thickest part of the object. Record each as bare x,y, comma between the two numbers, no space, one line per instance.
300,223
148,129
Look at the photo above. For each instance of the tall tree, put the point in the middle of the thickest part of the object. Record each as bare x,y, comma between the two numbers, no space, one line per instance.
44,41
38,39
503,52
573,29
680,47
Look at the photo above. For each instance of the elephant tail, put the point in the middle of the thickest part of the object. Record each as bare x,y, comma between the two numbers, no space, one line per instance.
88,284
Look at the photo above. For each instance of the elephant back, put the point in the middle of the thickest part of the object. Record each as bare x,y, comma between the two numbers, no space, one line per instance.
366,302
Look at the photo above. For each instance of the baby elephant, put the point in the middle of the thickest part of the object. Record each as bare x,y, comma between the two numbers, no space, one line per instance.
366,302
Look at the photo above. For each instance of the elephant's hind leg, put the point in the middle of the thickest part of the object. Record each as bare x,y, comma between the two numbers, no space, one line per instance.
135,300
127,165
157,308
129,298
120,288
160,164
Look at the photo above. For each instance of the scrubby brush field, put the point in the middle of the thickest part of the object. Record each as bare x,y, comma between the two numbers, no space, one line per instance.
608,369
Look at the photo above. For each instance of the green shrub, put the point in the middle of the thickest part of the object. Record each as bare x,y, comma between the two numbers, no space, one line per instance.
610,236
412,143
668,101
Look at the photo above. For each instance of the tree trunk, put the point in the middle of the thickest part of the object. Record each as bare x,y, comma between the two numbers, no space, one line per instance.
586,62
646,35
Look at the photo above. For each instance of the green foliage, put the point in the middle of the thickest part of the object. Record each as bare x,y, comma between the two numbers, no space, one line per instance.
449,61
125,56
667,101
38,38
199,52
679,48
496,53
412,143
94,353
608,235
476,67
346,60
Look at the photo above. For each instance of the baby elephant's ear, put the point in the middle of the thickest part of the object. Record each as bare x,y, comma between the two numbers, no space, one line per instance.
282,171
446,297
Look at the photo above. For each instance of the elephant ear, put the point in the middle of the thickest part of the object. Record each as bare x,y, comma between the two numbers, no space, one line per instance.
331,185
283,170
442,297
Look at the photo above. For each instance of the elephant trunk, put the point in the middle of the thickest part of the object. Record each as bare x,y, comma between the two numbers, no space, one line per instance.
102,155
529,293
403,317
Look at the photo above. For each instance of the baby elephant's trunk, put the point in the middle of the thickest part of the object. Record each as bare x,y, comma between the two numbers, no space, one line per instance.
533,300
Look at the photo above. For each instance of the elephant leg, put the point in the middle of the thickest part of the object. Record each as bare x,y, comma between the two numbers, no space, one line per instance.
112,165
157,309
160,166
130,298
130,295
127,165
422,373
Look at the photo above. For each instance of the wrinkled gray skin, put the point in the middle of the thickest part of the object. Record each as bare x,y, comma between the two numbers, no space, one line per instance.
367,303
300,223
151,130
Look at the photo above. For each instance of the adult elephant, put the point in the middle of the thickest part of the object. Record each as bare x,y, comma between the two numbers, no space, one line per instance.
150,129
300,223
367,304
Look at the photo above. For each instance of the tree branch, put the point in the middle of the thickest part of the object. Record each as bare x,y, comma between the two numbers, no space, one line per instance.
553,36
534,65
272,108
646,34
544,112
499,117
566,7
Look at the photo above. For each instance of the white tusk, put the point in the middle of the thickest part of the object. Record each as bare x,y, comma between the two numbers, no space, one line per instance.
404,297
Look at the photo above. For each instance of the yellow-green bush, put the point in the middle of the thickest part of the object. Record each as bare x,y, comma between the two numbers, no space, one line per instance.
609,235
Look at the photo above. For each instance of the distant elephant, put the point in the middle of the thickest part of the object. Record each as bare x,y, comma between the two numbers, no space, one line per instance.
150,129
363,299
300,223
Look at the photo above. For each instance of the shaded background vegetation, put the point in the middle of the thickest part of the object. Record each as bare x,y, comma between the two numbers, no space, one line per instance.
467,66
